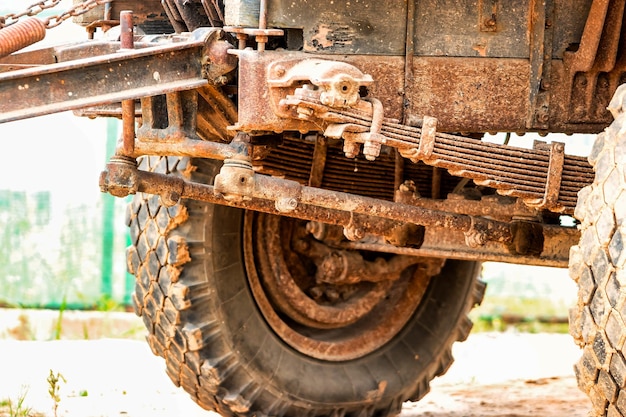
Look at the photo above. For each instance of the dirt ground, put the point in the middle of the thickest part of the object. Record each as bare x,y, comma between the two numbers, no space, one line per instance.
495,374
543,397
507,375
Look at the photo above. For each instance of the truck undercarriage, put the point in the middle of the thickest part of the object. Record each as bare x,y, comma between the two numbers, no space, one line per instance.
313,194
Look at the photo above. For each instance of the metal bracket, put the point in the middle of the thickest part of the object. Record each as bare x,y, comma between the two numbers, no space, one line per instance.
235,180
553,179
353,135
426,146
150,70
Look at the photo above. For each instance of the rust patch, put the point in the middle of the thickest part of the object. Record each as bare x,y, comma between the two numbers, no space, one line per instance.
480,49
321,37
333,35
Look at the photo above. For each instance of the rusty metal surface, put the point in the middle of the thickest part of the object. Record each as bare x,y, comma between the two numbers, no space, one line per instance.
445,243
368,26
293,160
540,36
281,270
187,16
531,174
176,124
148,14
490,28
369,315
440,241
216,113
465,95
127,42
171,126
469,95
125,75
478,94
64,53
568,22
28,59
276,190
589,75
214,12
447,75
487,78
503,91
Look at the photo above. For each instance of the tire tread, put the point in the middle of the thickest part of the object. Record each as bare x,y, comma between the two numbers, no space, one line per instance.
597,323
177,312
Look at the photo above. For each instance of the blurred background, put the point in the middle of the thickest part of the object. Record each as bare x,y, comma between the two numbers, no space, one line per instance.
62,242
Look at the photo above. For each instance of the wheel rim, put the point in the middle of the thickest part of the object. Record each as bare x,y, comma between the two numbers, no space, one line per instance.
340,322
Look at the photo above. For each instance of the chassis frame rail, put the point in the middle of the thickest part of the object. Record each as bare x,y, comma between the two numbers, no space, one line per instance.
115,76
355,213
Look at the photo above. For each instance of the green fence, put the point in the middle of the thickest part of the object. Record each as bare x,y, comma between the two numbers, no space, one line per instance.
61,240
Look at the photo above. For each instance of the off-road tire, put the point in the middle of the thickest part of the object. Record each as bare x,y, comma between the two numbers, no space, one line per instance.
195,300
598,322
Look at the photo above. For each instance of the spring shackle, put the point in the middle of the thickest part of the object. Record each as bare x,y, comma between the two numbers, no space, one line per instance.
20,35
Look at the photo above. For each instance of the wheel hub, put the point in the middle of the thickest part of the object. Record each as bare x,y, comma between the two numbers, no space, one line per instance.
327,303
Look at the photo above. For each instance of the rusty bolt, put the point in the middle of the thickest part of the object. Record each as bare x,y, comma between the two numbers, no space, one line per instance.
279,71
490,23
169,199
371,150
316,229
543,117
332,295
475,239
545,85
353,233
351,149
286,205
316,293
304,112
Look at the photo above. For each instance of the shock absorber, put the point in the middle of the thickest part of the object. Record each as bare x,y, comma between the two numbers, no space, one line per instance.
20,35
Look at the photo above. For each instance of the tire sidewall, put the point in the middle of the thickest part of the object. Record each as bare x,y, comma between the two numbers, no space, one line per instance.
413,355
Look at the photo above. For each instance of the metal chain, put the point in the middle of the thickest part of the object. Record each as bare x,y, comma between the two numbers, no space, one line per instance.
51,21
77,10
32,10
